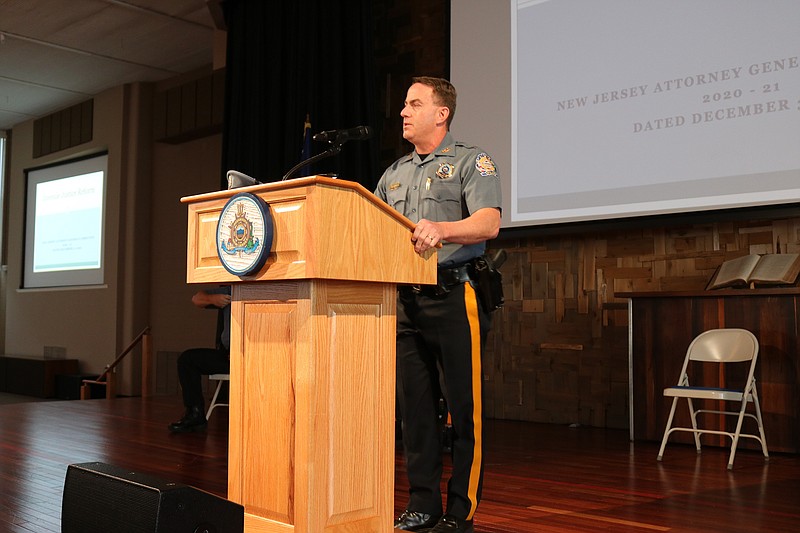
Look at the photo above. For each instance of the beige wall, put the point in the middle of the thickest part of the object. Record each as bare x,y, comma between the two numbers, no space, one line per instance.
179,170
84,321
145,266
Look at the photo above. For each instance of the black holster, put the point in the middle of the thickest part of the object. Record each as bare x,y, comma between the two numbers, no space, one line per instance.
488,282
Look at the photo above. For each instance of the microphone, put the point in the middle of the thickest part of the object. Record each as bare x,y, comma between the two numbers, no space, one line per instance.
359,133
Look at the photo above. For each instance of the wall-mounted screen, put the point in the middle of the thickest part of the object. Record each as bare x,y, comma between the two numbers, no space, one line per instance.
64,221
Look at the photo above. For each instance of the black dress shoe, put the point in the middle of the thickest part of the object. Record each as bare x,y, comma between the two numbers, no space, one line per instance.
193,420
413,521
451,524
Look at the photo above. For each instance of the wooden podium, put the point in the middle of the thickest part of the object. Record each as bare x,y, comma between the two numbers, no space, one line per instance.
313,355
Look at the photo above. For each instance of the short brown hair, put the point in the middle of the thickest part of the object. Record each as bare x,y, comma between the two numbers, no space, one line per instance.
444,94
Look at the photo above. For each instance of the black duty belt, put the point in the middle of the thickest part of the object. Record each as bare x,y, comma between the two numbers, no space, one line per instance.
453,276
446,278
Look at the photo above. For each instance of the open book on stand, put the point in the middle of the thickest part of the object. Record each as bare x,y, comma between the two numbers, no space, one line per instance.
756,270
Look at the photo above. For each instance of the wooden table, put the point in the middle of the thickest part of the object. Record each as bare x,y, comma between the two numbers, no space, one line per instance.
661,326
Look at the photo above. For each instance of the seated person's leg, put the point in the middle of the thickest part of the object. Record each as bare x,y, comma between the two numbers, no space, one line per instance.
193,364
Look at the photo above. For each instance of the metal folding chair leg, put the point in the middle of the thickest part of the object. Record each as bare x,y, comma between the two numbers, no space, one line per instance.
220,378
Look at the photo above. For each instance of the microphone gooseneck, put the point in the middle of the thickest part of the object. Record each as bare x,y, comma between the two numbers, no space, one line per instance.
335,140
359,133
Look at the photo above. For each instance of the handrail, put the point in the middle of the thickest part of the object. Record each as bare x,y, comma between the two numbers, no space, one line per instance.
122,355
104,378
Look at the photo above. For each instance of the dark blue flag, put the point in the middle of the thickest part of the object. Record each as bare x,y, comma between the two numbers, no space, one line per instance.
305,153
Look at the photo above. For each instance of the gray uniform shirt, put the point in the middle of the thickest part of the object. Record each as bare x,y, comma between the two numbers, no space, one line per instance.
449,184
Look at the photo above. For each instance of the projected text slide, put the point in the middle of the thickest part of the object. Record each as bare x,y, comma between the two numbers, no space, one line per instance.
68,223
630,107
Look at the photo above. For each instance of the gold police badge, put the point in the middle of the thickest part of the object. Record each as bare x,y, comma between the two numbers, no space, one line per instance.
445,171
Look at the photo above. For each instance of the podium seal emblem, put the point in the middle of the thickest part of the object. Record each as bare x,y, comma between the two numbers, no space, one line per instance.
244,234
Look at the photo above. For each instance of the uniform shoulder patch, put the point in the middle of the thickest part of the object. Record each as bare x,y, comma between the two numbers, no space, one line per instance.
484,165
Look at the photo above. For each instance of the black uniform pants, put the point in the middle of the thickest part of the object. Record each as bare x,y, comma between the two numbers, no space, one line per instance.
192,365
440,340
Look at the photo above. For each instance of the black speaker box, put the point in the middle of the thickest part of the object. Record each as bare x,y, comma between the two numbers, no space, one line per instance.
101,498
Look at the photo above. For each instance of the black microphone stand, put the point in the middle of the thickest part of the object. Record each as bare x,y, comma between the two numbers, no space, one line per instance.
333,149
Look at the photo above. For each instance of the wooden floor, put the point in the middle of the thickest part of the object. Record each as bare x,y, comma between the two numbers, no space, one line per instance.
539,478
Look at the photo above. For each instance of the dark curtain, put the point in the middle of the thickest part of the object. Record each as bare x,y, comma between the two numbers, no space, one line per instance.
290,58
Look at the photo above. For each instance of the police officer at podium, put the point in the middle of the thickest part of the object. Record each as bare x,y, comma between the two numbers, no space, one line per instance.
452,192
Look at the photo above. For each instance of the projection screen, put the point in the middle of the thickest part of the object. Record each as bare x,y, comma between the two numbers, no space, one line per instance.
621,108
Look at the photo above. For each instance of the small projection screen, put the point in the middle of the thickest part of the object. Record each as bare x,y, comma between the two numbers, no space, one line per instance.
622,108
64,224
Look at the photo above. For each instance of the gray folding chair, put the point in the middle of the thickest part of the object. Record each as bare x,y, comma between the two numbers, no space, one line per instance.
719,346
220,378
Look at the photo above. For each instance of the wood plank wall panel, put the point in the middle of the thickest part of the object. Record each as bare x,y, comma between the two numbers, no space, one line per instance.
191,110
558,350
411,38
63,129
